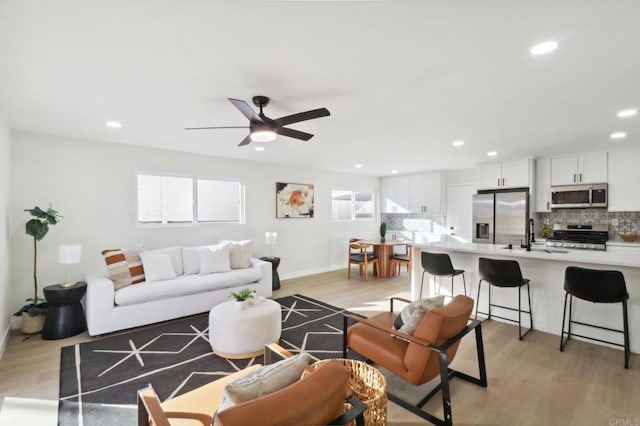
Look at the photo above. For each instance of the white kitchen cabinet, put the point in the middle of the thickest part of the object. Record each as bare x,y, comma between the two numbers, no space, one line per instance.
589,167
624,175
394,194
543,185
507,174
420,193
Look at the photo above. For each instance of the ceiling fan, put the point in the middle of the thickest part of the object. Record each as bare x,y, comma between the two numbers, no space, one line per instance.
264,129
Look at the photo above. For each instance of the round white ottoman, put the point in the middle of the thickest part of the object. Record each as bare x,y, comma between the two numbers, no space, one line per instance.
242,333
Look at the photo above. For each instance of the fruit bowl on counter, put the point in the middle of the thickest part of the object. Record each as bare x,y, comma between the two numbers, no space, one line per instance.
629,238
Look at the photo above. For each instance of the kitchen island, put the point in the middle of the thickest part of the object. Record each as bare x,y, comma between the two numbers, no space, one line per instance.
545,268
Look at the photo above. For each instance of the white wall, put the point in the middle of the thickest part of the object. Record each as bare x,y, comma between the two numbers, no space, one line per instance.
92,184
6,308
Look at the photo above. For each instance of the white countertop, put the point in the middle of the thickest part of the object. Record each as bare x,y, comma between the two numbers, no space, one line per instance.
613,257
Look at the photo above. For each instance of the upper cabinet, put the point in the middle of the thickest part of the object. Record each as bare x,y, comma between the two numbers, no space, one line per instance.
543,185
507,174
421,193
624,175
575,169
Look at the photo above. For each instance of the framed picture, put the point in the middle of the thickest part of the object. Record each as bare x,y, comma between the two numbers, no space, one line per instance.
294,200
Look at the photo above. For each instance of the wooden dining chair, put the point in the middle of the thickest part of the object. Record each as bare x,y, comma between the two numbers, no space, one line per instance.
400,259
360,255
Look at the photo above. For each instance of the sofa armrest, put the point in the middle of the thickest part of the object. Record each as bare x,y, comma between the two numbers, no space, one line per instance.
265,288
100,301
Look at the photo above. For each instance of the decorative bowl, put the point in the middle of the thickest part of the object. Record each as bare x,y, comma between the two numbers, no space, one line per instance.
628,238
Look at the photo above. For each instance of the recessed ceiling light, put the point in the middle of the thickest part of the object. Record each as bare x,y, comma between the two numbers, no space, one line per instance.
113,124
259,148
395,172
627,113
544,48
457,143
618,135
358,166
492,153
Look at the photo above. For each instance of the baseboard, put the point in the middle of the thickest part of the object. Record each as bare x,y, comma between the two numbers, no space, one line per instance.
299,274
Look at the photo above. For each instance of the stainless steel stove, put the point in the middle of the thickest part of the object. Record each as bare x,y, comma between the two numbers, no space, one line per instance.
589,237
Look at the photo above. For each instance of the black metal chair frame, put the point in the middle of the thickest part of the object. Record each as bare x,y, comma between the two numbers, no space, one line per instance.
519,310
446,373
624,331
452,275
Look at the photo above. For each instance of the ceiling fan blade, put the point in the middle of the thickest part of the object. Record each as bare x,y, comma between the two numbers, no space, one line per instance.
297,134
245,141
302,116
246,110
225,127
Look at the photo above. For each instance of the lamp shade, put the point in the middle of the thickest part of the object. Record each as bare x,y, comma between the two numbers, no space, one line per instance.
270,238
69,253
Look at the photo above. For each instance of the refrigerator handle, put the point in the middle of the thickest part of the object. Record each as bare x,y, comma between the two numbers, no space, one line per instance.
498,181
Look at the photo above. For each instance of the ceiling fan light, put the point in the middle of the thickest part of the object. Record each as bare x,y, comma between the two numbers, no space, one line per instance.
263,136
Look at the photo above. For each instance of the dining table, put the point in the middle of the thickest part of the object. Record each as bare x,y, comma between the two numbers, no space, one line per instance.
383,250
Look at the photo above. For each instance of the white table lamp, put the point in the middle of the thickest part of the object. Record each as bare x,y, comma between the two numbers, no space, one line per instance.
68,254
270,240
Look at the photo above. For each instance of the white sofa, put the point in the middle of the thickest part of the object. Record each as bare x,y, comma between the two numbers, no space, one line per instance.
145,303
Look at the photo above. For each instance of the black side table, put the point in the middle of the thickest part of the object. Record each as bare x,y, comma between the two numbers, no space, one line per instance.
275,262
65,315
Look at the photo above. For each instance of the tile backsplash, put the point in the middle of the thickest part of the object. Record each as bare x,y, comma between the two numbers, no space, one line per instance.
627,222
417,222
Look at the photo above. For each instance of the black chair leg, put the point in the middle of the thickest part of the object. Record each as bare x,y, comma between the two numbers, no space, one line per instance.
519,313
422,283
530,309
627,346
478,298
444,387
564,315
464,283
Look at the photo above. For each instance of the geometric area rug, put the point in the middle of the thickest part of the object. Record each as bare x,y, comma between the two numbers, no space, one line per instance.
99,379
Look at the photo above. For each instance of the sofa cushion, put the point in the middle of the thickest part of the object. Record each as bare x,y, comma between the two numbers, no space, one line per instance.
268,379
184,285
214,259
412,314
124,266
175,253
239,253
157,267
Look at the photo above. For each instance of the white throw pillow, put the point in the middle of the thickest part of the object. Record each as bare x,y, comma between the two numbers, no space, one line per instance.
214,259
268,379
412,314
157,267
240,253
176,257
191,259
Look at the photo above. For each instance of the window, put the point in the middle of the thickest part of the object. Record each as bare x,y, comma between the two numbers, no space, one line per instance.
175,199
351,205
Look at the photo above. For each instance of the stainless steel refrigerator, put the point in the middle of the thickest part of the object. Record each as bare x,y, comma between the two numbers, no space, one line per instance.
501,217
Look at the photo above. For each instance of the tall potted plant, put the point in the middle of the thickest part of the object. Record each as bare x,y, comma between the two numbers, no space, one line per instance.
37,227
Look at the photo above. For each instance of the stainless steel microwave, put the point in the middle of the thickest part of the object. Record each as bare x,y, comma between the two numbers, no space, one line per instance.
579,196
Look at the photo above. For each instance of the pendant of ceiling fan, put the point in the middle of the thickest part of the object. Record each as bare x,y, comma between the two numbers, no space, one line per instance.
264,129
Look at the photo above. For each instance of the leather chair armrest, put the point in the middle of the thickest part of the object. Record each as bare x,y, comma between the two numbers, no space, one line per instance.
274,352
401,335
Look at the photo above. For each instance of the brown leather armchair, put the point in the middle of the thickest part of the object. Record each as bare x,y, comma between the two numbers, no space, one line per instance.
420,357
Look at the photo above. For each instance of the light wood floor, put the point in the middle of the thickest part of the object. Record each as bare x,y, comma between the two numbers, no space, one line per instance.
530,382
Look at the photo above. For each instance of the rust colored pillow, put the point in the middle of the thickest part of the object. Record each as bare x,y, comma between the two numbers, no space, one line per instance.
124,266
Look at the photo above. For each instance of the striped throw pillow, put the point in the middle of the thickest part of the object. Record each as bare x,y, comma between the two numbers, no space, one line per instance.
124,266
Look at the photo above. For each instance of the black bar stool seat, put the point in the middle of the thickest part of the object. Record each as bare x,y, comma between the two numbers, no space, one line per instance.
439,265
598,286
504,273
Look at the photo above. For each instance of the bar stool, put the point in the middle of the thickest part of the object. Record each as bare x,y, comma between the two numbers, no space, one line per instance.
504,273
439,265
596,286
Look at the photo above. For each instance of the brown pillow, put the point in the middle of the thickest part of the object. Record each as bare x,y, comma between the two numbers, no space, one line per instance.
124,266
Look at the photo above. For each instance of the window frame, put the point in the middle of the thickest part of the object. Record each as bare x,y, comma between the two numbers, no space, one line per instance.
353,204
194,201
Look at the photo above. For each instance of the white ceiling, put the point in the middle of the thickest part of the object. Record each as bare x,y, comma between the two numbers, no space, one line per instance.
402,79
